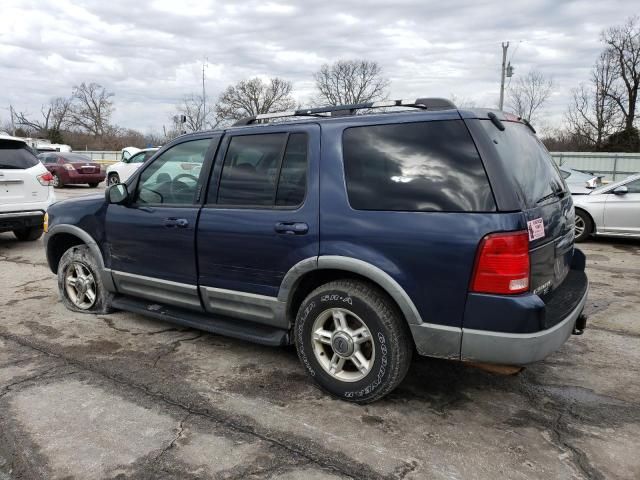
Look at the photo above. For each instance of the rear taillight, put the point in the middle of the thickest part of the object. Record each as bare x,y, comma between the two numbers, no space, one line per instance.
502,264
68,166
45,179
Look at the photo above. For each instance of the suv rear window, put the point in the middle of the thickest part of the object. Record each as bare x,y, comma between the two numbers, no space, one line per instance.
527,159
419,167
16,156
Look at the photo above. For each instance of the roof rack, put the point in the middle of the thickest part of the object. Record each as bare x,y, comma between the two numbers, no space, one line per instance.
343,110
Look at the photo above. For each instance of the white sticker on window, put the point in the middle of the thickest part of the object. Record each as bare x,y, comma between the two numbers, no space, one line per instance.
536,229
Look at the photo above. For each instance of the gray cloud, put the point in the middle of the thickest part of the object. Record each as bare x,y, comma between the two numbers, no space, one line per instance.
150,53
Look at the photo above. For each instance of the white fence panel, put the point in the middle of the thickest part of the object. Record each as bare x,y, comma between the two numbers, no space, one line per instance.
614,166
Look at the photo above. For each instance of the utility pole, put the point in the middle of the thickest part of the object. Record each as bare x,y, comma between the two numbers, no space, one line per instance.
505,46
13,125
204,98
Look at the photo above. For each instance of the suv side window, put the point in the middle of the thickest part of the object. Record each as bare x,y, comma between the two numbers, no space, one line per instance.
264,170
418,167
172,178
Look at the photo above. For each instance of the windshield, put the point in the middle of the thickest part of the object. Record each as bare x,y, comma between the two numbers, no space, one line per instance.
75,157
16,155
527,160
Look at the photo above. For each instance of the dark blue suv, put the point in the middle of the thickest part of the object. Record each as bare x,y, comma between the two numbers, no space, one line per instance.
358,237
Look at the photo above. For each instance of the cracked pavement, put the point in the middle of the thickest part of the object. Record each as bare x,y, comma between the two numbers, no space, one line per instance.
123,396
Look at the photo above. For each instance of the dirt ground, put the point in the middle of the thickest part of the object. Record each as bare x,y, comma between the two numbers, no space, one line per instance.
123,396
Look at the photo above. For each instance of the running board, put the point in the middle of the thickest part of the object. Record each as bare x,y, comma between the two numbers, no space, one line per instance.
236,328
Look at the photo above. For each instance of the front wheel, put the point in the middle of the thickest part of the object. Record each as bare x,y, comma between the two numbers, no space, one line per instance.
80,284
352,340
584,226
113,179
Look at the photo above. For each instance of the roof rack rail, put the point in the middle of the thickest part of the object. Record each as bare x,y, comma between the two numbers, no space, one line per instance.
342,110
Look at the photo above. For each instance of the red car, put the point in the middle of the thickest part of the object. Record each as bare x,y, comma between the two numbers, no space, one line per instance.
72,168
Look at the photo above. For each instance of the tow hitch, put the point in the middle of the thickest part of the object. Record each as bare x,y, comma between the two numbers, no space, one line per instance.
581,323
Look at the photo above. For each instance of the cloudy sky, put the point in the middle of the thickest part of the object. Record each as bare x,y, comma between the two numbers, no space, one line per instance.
150,53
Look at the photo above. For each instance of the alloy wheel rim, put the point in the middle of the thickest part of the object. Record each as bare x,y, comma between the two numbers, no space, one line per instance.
579,226
113,179
56,181
343,345
80,285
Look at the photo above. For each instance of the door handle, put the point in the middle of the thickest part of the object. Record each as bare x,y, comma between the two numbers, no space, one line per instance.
292,228
176,222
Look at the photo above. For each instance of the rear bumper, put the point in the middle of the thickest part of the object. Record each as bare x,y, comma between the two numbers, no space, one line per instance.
518,348
73,177
16,220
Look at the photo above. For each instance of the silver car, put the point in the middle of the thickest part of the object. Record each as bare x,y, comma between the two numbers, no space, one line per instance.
579,183
610,210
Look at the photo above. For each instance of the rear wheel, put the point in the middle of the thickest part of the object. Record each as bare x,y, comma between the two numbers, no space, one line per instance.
28,234
57,183
352,340
113,179
80,284
584,226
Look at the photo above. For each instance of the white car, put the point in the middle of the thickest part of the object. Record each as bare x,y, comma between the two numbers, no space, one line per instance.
121,171
26,190
579,183
610,210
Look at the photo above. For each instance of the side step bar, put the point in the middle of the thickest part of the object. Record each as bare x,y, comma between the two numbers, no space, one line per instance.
240,329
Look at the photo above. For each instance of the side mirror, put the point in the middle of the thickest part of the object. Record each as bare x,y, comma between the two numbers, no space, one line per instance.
117,194
621,190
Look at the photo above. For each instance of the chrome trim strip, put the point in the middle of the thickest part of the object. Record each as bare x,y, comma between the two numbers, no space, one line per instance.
517,348
28,213
243,305
157,290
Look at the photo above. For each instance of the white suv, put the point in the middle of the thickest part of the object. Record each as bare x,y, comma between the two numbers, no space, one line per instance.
121,171
26,190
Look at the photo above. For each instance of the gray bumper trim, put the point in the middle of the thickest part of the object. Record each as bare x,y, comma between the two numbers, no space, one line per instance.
517,349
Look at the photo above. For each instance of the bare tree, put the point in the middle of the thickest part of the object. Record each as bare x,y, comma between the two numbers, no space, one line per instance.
54,115
91,108
529,94
593,114
254,97
198,113
350,81
624,44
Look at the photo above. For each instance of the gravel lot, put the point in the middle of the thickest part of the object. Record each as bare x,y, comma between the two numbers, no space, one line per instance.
122,396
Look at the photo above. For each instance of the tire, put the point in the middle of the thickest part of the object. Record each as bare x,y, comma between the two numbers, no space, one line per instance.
28,234
93,185
79,263
584,226
57,183
387,348
113,179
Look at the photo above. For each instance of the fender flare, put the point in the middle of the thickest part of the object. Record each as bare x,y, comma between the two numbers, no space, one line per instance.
353,265
88,240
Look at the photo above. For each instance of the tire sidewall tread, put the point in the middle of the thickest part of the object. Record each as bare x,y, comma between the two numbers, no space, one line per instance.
388,329
82,254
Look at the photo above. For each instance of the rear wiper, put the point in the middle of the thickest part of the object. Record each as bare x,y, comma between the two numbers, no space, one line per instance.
557,193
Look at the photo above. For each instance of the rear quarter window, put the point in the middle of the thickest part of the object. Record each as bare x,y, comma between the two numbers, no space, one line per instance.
527,160
16,156
419,167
